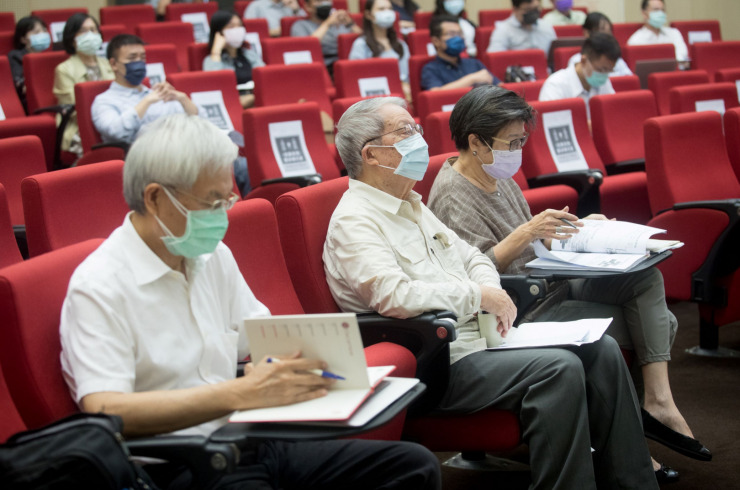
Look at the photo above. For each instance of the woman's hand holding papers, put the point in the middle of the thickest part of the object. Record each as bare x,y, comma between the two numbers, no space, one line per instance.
549,224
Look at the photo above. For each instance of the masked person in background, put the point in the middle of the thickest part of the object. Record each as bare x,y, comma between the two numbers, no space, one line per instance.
456,8
449,69
598,22
656,31
522,30
273,11
31,36
564,15
82,40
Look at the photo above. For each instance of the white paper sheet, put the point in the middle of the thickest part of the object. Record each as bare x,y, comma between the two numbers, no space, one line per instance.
201,28
711,105
582,261
2,114
155,73
737,85
700,37
211,106
448,107
431,50
543,334
56,29
601,236
253,39
561,139
373,86
297,57
290,150
529,70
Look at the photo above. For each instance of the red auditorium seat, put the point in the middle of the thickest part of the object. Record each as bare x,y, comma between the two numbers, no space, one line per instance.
568,31
109,31
416,64
85,94
365,78
732,136
526,58
6,43
344,44
715,56
688,28
21,156
420,43
56,18
165,54
625,83
482,39
438,101
623,31
128,15
223,81
633,54
562,56
437,133
9,252
7,21
490,17
297,50
529,90
178,33
288,84
692,98
660,84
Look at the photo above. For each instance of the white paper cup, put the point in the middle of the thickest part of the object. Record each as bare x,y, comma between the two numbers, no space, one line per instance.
487,324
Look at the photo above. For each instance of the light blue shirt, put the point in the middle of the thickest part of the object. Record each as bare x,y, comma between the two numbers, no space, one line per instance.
509,34
271,11
115,118
361,51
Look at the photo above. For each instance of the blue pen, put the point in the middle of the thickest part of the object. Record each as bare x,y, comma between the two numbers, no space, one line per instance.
318,372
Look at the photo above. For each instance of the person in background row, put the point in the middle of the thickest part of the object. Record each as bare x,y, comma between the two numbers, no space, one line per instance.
273,11
598,22
588,77
656,31
82,40
379,39
456,8
406,10
449,69
31,36
160,6
325,23
564,15
522,30
229,50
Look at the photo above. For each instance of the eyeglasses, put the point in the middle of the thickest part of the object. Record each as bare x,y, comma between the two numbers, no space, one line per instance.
516,144
216,205
407,131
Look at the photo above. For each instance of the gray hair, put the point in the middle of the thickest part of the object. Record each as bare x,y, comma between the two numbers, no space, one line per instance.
361,123
174,150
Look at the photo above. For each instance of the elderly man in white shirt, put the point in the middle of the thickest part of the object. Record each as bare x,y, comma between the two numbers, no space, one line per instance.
588,77
385,251
523,29
152,328
656,31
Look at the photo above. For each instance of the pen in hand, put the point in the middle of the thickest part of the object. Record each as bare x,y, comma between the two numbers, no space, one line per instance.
318,372
568,223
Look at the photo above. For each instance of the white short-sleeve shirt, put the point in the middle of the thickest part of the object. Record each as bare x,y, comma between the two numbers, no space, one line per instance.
565,84
666,35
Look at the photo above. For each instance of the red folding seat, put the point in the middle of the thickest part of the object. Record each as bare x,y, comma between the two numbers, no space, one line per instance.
178,33
175,11
728,75
287,22
56,18
9,252
700,208
529,90
422,19
297,50
240,7
258,26
715,56
732,136
7,21
366,78
424,186
294,125
568,31
490,17
6,42
128,15
437,133
616,123
529,59
416,64
165,54
109,31
690,28
482,39
660,84
622,31
92,144
622,196
72,205
562,56
633,54
705,96
344,44
223,81
21,156
420,43
438,101
12,422
288,84
197,52
625,83
38,69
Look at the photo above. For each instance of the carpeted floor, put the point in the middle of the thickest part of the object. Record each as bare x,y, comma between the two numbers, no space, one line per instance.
706,390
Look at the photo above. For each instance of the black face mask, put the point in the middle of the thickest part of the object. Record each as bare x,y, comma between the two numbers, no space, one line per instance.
323,11
531,17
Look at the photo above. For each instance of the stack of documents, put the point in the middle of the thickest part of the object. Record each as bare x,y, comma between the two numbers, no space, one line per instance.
545,334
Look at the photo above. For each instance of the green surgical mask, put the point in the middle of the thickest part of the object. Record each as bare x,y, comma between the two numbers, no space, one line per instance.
205,228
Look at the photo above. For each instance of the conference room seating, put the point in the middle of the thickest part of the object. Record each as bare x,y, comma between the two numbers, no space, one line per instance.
561,56
175,11
437,133
715,56
431,101
489,17
625,83
72,205
21,156
633,54
728,74
416,64
530,90
344,44
9,251
165,54
7,21
532,60
288,84
365,78
223,81
91,140
690,28
660,84
732,137
482,39
109,31
699,204
419,42
128,15
570,30
55,19
623,30
178,33
704,96
297,50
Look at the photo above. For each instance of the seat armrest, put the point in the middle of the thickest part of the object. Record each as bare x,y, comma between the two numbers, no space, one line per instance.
626,166
300,180
113,144
66,111
62,109
524,292
585,182
207,460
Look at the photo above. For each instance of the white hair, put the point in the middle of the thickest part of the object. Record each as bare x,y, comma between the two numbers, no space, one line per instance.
361,123
174,150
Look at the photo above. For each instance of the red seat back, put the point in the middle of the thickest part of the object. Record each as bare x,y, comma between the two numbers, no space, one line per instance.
715,56
197,52
178,33
483,39
732,136
21,156
622,31
85,94
7,21
490,17
344,44
263,164
437,133
287,22
728,74
72,205
288,84
11,421
625,83
420,43
303,219
128,15
240,7
6,42
175,11
109,31
296,50
562,55
422,19
438,101
223,81
38,69
258,26
616,122
424,186
570,30
660,84
42,126
499,61
687,27
165,54
349,75
633,54
416,64
529,90
9,252
58,17
9,101
685,99
31,297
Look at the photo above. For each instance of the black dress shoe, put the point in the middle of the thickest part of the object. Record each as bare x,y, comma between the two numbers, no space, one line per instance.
680,443
665,474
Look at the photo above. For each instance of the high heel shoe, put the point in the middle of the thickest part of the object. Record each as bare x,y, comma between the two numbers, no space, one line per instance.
680,443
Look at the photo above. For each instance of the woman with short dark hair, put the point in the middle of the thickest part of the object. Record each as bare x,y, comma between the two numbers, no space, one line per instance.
31,36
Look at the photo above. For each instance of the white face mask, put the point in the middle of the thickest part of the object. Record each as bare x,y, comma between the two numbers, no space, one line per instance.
235,36
384,18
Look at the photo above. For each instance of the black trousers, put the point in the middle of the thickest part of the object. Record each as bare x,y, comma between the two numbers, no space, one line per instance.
347,464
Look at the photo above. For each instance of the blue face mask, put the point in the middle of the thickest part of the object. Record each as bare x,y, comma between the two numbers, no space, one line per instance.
414,157
454,7
657,18
135,72
597,79
455,46
40,41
